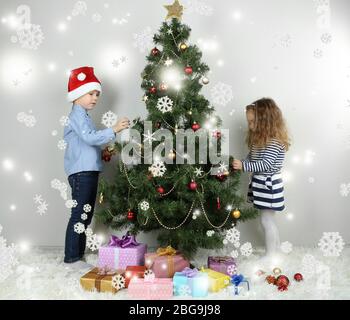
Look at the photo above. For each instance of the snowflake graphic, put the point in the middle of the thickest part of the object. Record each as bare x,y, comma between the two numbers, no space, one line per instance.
42,208
210,233
198,172
148,137
87,208
286,247
234,253
71,203
30,121
144,40
246,249
118,281
62,144
231,270
109,119
31,37
92,242
38,198
79,227
232,235
318,53
96,17
144,205
157,169
221,94
64,121
331,244
196,6
88,232
326,38
344,189
184,290
309,264
79,8
165,104
84,216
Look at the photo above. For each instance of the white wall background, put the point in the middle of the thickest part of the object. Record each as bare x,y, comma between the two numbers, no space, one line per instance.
259,47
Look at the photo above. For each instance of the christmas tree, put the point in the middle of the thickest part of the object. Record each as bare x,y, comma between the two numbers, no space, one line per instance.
186,196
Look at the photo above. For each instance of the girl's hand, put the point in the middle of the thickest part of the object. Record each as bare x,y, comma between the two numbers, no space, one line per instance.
121,125
237,164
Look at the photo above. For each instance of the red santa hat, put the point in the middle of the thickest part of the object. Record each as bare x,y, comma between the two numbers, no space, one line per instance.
81,81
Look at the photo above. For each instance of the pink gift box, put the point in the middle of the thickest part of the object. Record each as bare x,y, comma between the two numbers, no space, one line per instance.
157,289
119,258
165,266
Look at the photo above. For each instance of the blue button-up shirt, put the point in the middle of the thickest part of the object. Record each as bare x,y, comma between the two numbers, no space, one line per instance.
83,152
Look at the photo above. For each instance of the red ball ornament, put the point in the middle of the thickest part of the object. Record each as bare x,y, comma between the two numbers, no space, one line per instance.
282,281
298,277
160,190
153,90
195,126
155,51
131,215
217,134
282,288
192,185
222,176
270,279
188,70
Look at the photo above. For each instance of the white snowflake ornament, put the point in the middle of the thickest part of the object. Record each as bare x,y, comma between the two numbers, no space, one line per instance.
84,216
93,242
62,144
331,244
144,205
246,249
109,119
165,104
233,235
157,169
87,208
234,253
231,270
88,232
79,228
118,281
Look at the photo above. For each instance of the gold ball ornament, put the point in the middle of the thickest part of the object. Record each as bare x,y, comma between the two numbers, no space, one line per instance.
236,214
172,155
183,46
277,271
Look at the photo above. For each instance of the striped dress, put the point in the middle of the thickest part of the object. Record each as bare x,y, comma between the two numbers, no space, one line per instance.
266,189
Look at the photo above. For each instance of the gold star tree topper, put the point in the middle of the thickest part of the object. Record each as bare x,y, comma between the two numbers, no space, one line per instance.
174,11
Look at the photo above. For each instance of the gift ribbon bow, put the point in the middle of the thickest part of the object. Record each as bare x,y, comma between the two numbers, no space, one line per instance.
105,271
237,279
221,259
168,251
189,273
126,241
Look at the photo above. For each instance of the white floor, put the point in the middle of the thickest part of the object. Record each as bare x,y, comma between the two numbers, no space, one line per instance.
42,275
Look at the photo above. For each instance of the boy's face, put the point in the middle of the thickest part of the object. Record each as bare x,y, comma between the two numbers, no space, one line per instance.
88,101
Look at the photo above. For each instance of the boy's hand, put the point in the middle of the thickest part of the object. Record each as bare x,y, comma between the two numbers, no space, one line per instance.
122,124
237,164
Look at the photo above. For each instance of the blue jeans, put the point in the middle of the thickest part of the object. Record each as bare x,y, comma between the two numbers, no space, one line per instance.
84,189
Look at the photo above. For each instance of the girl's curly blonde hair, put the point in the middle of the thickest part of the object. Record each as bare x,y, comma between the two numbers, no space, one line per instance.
269,124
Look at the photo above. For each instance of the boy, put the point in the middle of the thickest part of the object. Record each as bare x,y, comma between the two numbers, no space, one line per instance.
82,159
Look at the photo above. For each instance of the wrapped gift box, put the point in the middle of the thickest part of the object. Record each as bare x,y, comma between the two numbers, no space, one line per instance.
133,272
217,280
120,253
191,282
225,265
101,281
165,262
156,289
240,284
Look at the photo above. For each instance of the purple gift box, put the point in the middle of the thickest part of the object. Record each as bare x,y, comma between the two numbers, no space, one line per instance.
120,253
226,265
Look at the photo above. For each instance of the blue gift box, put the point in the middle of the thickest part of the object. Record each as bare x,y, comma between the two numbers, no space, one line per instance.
191,282
239,284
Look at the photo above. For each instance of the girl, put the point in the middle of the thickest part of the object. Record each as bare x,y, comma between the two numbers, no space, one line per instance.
268,141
